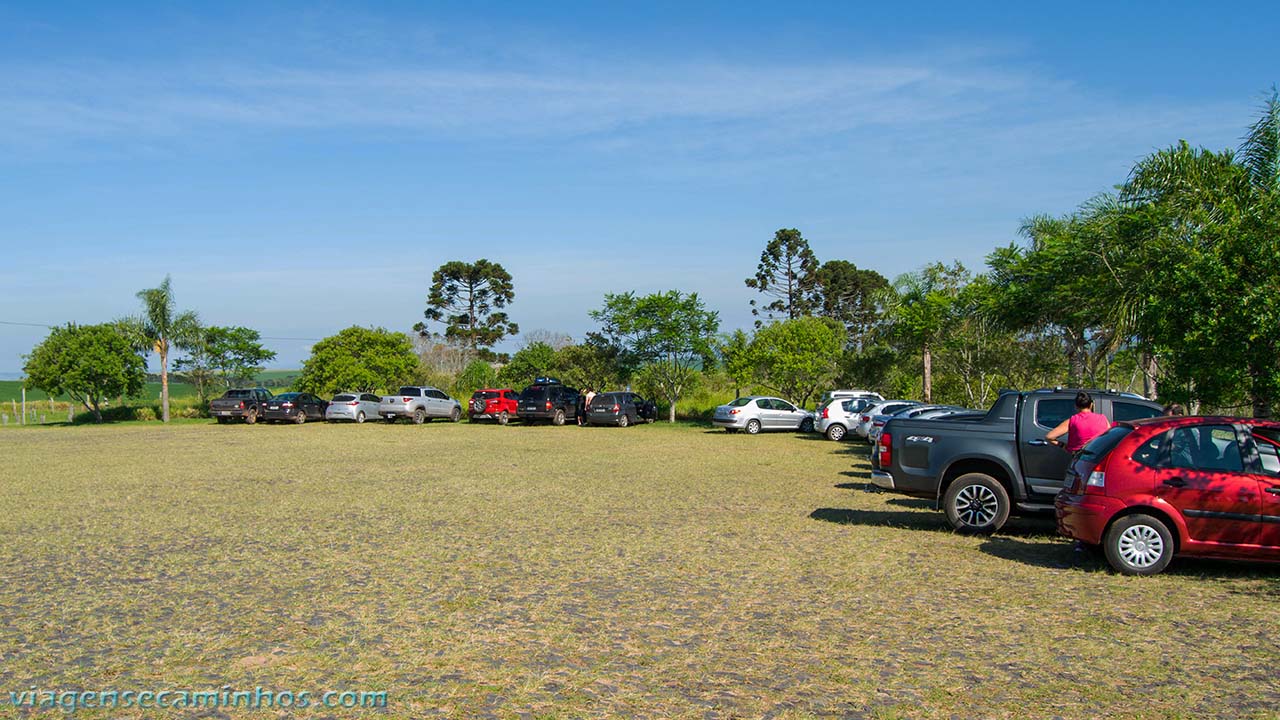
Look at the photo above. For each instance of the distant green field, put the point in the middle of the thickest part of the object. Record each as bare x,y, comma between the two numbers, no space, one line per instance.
12,389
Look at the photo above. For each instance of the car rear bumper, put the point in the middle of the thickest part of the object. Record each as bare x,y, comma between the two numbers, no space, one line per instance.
882,479
228,412
1085,517
738,422
344,412
395,410
281,414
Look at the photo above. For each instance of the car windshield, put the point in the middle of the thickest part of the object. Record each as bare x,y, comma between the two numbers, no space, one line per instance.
740,402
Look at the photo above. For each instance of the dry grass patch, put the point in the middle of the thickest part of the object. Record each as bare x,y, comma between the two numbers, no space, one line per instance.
540,572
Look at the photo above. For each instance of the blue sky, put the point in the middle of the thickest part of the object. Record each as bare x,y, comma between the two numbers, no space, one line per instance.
300,168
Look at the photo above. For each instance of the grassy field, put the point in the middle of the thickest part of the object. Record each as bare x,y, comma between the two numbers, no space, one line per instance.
540,572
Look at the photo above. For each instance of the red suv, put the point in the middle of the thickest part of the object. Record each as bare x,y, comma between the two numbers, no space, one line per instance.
1147,490
493,404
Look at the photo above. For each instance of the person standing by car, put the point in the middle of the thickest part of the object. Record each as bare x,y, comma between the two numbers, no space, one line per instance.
1082,427
584,403
1174,410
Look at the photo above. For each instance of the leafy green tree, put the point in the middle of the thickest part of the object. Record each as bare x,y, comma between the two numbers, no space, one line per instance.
1214,241
788,273
797,357
921,307
229,355
477,375
465,297
531,361
737,359
670,334
589,365
160,328
87,362
359,359
851,296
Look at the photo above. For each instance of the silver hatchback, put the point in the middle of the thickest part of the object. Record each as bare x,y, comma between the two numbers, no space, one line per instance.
753,414
356,407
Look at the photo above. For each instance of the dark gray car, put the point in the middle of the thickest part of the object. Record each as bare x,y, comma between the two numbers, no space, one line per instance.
621,409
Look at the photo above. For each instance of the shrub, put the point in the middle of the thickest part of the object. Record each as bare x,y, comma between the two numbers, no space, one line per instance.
120,413
145,413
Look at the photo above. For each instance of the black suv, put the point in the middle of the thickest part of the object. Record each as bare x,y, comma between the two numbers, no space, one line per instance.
547,399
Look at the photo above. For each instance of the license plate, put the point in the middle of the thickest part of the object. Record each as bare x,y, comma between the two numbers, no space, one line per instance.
224,412
273,407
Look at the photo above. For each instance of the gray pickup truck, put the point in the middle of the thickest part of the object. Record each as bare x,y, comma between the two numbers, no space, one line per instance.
980,471
245,404
420,404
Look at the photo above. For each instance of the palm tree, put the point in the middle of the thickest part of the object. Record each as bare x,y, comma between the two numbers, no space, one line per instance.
1222,209
160,328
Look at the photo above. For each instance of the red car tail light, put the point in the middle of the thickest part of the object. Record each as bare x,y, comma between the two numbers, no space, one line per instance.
615,407
241,404
735,411
286,404
405,399
866,418
354,403
548,404
886,450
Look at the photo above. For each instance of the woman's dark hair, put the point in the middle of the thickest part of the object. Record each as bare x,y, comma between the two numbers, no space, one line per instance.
1174,409
1083,400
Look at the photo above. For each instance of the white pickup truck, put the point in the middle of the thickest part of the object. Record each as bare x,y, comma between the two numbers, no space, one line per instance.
421,403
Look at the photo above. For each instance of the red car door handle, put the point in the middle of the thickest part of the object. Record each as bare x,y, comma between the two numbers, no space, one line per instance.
1176,482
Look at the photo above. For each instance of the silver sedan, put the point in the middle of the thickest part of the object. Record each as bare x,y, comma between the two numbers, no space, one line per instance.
352,406
753,414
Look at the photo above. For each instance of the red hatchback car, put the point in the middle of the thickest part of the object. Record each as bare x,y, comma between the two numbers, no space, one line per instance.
1147,490
493,404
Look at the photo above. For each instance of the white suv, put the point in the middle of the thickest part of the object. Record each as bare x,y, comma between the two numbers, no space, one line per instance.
837,416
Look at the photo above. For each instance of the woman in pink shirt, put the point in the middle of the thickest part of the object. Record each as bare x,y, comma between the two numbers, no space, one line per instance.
1082,427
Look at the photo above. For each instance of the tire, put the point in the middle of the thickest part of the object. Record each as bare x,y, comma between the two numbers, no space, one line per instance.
300,418
624,421
558,419
504,417
360,417
456,415
1138,545
975,503
251,417
806,425
753,427
419,416
836,432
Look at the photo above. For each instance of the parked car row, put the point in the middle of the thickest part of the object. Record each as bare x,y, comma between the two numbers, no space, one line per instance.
1150,489
546,400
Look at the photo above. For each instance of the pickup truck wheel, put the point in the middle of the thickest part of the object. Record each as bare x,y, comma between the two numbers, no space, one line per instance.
558,419
419,416
1138,545
251,417
835,432
455,416
806,425
360,417
976,503
504,417
753,427
624,421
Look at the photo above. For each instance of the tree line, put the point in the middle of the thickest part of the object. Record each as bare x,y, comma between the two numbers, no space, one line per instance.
1165,286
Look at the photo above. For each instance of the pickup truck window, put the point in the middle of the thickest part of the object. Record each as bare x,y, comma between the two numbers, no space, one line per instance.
239,394
1050,412
1121,411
